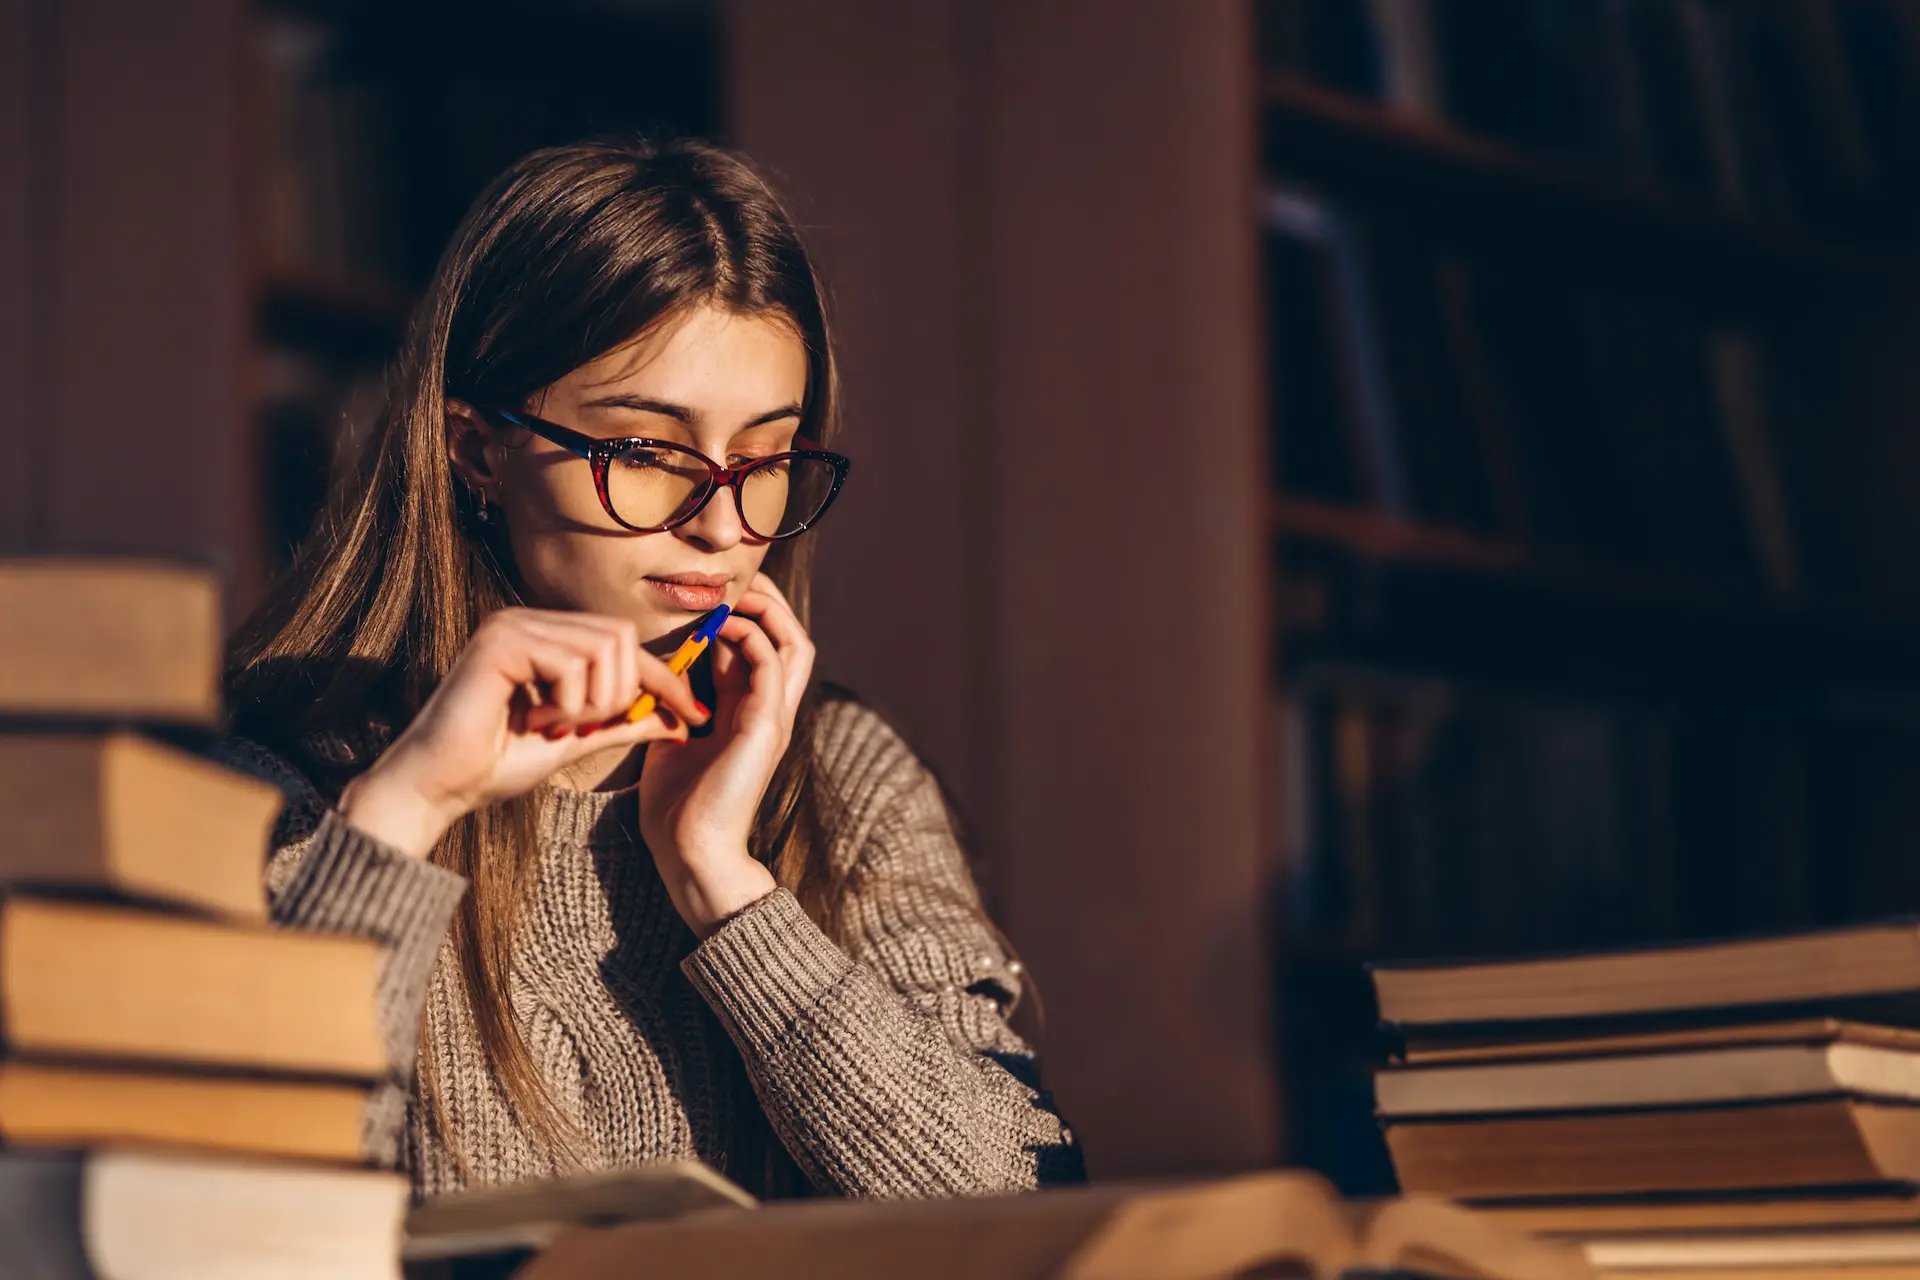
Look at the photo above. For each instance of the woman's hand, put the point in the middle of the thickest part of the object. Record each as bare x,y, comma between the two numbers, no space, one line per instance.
698,799
484,733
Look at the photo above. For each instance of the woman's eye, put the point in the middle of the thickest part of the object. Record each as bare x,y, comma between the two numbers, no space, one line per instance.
641,458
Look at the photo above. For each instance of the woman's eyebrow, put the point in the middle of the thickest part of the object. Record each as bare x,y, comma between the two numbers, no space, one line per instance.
680,412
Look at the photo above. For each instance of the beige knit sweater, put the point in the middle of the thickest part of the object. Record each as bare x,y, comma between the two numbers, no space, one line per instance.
791,1064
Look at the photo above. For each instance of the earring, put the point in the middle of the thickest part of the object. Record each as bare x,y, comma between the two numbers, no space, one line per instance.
483,513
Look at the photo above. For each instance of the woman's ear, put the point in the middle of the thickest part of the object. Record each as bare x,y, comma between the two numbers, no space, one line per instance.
473,447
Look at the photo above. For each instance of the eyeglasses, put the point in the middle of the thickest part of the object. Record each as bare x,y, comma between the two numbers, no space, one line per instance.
651,485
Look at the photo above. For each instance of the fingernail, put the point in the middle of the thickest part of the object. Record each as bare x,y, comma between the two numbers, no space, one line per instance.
553,732
705,714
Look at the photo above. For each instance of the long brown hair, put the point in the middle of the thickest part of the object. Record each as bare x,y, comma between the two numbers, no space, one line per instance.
571,252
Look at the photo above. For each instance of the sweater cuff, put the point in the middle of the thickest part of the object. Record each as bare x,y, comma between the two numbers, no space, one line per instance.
352,882
765,968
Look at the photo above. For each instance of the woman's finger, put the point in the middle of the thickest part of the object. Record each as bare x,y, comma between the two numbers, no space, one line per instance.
774,617
800,661
499,648
627,648
671,690
601,646
629,674
562,669
619,731
799,671
611,691
789,638
752,639
617,657
765,673
624,634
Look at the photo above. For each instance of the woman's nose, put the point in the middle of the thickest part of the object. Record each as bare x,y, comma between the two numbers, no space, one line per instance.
718,522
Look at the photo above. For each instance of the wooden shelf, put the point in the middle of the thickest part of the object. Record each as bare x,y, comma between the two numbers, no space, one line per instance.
1484,197
1404,597
1376,533
345,321
1388,622
1381,536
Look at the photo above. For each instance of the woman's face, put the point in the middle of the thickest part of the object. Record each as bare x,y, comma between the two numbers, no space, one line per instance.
730,386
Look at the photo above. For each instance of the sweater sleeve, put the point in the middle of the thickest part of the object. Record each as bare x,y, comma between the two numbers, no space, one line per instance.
325,874
888,1067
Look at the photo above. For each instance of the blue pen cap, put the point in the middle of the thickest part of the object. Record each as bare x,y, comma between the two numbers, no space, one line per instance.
714,622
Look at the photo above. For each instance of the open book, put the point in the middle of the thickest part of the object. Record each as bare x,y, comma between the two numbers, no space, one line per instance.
526,1217
1280,1223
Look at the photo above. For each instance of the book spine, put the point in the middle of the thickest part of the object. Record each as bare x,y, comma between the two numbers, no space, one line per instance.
1486,402
1346,307
1369,396
1714,84
1739,387
1412,79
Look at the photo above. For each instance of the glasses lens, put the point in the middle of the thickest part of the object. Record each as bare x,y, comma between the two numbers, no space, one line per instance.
652,486
648,486
784,496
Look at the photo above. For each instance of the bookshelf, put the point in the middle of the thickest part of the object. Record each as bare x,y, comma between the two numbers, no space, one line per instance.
1480,194
371,129
1584,519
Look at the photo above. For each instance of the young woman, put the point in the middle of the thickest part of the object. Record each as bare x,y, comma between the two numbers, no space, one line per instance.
744,933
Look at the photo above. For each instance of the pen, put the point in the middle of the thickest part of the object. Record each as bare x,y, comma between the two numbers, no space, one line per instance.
682,658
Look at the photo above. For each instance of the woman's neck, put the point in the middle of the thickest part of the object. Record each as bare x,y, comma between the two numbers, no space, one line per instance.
614,769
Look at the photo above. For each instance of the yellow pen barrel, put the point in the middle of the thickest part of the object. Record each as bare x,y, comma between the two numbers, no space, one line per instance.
677,664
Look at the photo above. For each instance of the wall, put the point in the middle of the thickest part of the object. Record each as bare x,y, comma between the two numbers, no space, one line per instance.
1038,223
123,309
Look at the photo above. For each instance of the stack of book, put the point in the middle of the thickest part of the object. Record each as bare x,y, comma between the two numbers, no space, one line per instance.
183,1085
1712,1108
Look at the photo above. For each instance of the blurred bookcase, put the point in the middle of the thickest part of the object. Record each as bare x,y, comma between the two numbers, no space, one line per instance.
1589,325
373,125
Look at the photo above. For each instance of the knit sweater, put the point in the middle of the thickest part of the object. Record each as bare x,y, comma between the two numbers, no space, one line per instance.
791,1063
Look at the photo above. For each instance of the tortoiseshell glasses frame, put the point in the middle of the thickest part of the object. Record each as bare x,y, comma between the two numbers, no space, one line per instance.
601,453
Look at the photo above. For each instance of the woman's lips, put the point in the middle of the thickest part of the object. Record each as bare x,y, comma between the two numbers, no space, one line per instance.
692,599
